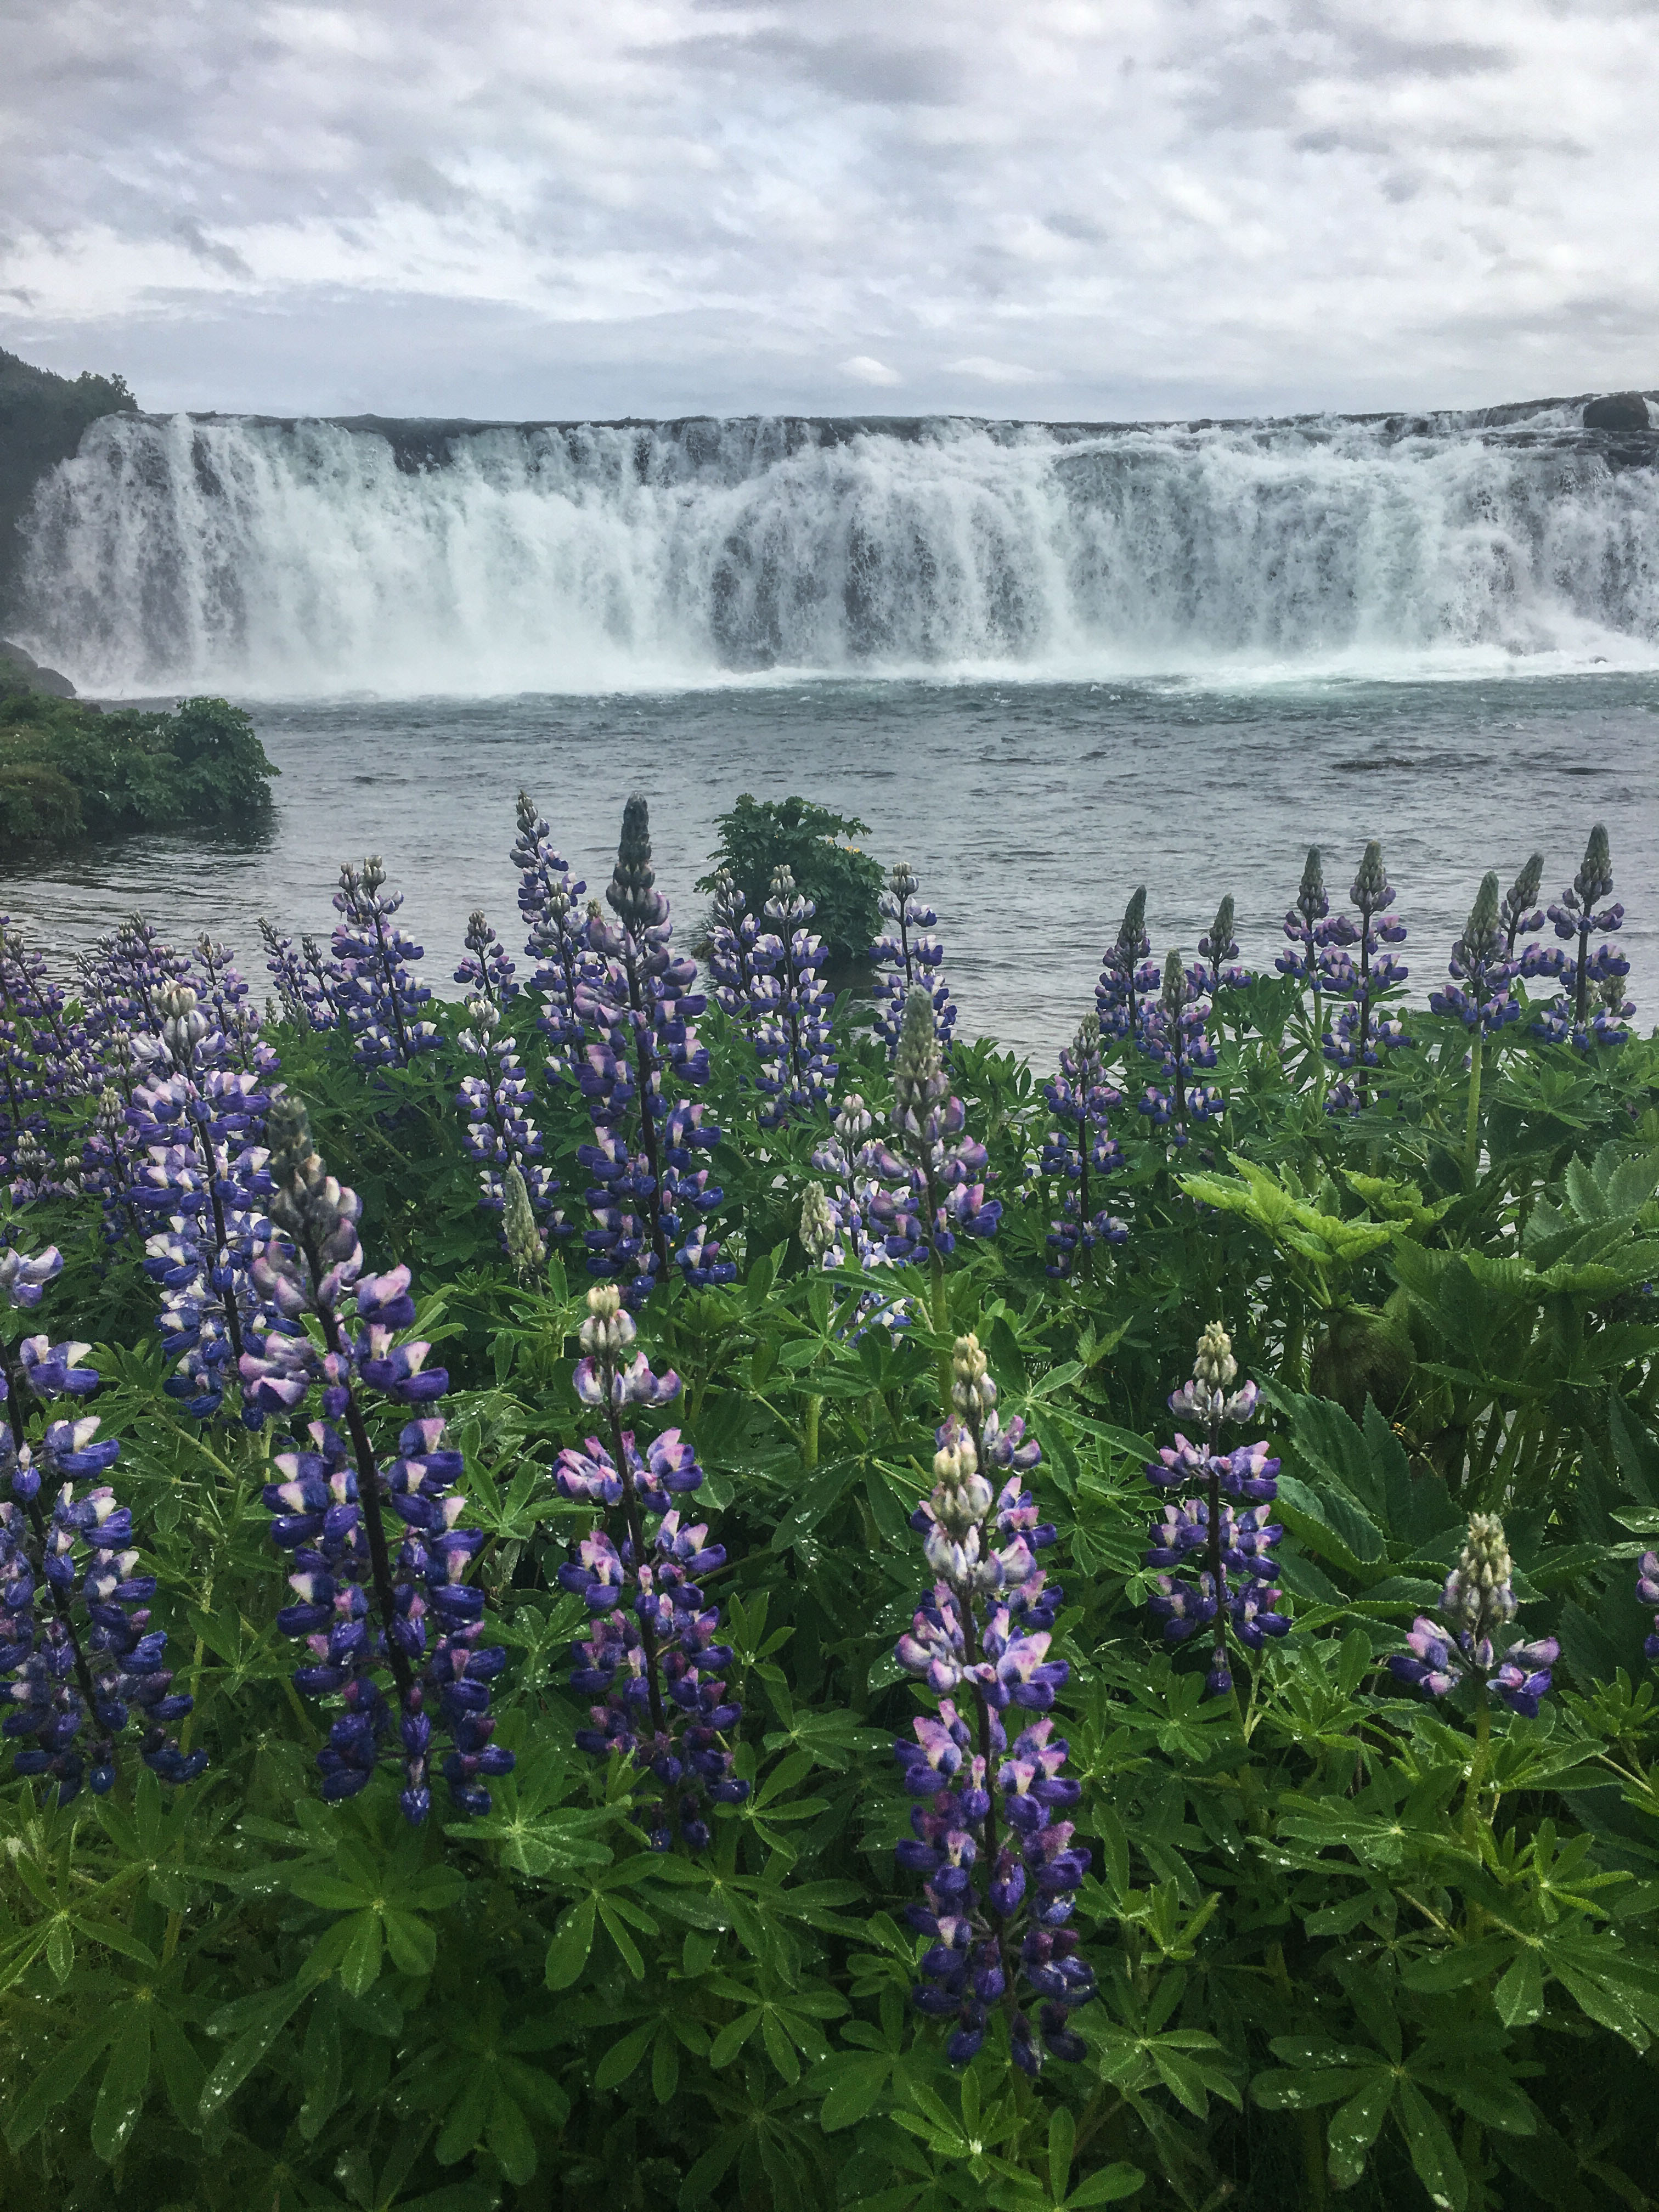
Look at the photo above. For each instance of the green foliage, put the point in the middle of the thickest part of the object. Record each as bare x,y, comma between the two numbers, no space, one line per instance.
758,835
1348,1943
41,419
68,771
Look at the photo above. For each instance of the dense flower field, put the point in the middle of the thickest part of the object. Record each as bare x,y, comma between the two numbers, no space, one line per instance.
661,1584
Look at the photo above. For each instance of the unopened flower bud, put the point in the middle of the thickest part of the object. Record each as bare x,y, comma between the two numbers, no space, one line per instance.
525,1245
818,1223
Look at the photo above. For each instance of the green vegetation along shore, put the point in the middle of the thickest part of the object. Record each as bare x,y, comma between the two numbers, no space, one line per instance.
69,770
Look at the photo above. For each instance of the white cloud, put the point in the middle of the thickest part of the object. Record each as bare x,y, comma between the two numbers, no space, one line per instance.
990,370
665,206
864,368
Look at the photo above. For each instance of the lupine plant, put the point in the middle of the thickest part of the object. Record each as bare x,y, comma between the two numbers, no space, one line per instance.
79,1662
999,1870
909,957
362,1610
1175,1035
1592,1007
1127,975
648,1198
1368,1027
794,1005
650,1657
383,1005
556,925
1081,1148
1214,1549
537,1653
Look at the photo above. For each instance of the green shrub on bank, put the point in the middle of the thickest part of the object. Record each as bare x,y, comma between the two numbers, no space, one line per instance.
68,771
760,836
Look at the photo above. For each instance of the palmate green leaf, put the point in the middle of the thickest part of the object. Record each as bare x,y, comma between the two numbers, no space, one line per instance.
573,1939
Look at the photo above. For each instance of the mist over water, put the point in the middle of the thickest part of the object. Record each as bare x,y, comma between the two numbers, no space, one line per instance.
279,560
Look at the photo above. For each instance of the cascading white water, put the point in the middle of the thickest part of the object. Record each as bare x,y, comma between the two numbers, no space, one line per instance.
281,559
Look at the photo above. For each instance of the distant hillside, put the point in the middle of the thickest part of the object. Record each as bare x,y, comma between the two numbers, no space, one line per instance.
41,419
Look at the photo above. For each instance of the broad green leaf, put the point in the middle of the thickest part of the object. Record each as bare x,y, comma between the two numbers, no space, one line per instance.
508,2136
573,1939
1520,1996
360,1968
1110,2185
1351,2131
620,2060
1434,2154
58,2078
126,2079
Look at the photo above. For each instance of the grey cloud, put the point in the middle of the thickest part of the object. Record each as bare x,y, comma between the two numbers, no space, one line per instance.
541,207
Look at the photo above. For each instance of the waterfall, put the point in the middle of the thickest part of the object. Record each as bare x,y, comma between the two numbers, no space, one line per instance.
277,559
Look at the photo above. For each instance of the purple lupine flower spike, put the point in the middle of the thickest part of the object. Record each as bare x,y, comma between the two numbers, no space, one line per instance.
1592,1007
197,1172
501,1134
651,1659
74,1678
1366,1029
1174,1034
362,1610
1317,957
380,998
45,1061
1215,1549
1127,975
485,968
1482,968
1647,1593
1476,1608
792,1034
909,957
1519,913
1218,953
1081,1148
738,967
556,934
999,1868
649,1198
935,1175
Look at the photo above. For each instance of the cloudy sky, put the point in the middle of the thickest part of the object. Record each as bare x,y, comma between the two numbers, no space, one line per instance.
1061,208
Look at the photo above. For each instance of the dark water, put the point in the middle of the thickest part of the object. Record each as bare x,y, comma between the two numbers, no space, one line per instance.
1031,812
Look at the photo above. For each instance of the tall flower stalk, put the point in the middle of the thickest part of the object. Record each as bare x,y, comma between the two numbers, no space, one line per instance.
1127,975
1215,1548
1482,968
555,934
72,1681
651,1658
1174,1034
999,1868
382,1000
935,1171
648,1198
1082,1150
1366,1028
792,1034
909,957
1592,1007
361,1608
